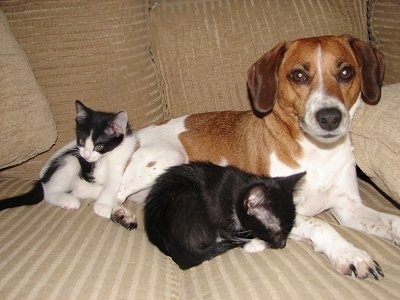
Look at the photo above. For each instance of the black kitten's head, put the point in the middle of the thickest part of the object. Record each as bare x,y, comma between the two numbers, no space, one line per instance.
98,133
269,209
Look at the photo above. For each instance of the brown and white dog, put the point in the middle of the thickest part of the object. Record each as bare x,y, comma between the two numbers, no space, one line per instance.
304,94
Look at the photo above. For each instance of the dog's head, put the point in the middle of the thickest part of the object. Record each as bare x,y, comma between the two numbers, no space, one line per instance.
318,80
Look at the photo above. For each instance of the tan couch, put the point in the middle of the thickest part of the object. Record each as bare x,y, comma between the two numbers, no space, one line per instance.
157,59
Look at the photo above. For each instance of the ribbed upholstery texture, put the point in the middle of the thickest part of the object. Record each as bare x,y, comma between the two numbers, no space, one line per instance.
154,59
20,95
377,136
385,25
50,253
224,38
95,51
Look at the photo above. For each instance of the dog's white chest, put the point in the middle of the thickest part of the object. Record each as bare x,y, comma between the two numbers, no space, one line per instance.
330,176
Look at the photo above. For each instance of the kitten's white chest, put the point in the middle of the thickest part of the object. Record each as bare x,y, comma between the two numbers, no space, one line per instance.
100,171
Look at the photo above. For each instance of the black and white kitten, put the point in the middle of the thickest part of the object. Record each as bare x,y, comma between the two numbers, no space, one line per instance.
197,211
90,167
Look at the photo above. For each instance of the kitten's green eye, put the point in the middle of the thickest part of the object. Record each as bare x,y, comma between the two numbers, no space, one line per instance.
99,147
81,142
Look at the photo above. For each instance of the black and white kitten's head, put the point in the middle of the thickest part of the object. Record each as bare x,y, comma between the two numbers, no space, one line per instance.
98,133
270,210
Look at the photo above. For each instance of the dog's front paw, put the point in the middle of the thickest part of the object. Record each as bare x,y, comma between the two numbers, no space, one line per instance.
255,245
123,216
349,260
395,229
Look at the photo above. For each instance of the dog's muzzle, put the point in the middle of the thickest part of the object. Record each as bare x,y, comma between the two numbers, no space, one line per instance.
326,118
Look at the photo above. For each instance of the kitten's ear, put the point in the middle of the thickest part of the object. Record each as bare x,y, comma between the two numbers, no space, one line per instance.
255,197
289,182
81,111
118,124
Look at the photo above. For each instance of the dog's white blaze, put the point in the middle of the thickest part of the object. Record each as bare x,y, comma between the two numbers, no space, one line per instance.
319,68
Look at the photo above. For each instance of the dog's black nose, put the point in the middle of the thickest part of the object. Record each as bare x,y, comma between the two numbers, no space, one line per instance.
329,118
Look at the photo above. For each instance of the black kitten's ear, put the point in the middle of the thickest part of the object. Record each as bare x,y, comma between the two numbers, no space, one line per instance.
255,197
289,182
81,111
118,124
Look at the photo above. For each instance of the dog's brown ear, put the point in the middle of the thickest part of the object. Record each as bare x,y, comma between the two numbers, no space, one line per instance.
262,79
372,69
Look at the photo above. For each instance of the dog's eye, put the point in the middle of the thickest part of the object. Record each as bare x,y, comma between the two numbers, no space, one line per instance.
299,76
346,73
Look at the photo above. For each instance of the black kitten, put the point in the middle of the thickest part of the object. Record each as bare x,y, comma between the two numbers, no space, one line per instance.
197,211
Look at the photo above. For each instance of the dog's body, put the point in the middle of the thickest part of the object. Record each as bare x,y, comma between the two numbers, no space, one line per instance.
305,93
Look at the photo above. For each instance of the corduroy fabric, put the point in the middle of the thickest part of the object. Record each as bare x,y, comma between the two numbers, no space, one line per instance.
94,51
204,48
385,24
50,253
376,140
26,123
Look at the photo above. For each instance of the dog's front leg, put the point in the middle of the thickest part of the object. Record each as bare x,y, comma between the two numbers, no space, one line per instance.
360,217
345,257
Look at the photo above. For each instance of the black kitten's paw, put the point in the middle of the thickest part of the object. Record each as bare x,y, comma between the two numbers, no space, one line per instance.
124,217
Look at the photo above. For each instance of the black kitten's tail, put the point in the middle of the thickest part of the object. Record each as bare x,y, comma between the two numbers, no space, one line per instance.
34,196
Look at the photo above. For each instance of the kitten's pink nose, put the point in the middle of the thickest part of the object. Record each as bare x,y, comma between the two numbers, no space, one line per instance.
86,154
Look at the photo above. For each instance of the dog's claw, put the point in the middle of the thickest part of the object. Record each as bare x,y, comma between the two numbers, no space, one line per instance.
374,273
354,270
116,219
121,221
130,226
120,216
378,269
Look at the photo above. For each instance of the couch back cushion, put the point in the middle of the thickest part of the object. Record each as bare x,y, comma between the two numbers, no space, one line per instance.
27,127
94,51
204,48
385,31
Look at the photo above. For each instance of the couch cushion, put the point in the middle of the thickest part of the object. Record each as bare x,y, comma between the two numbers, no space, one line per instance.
51,253
94,51
385,34
204,48
27,127
376,139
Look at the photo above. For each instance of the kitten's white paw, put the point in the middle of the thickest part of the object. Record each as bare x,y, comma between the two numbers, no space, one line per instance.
102,210
255,245
65,201
71,204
